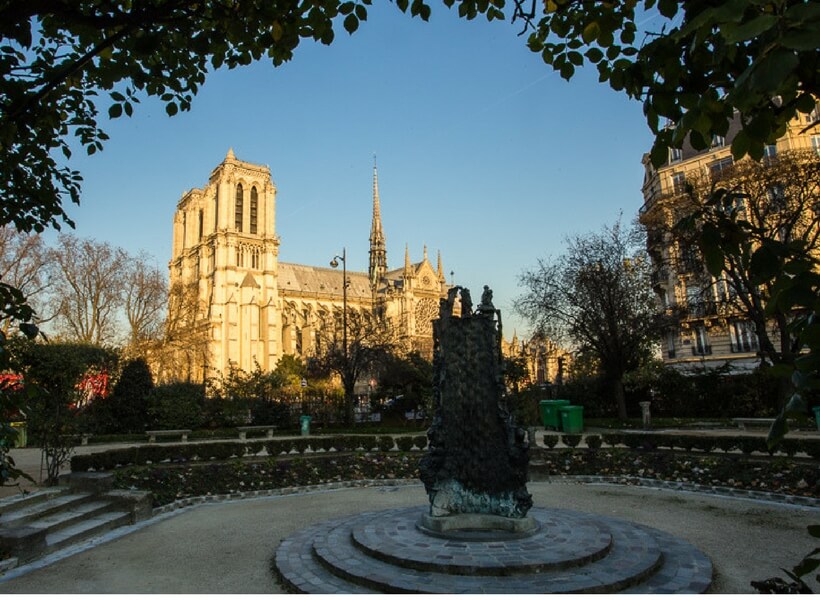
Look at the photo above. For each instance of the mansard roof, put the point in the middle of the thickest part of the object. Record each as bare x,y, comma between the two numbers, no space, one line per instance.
304,279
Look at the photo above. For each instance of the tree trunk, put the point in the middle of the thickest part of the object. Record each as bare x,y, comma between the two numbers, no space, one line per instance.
617,385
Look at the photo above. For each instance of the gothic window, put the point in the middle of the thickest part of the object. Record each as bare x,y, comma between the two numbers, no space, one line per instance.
239,208
426,311
216,209
201,224
254,208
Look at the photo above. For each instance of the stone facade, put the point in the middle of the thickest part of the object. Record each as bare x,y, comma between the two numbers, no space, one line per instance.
708,332
254,309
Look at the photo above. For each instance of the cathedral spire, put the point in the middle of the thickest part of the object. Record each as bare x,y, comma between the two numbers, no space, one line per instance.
378,244
439,267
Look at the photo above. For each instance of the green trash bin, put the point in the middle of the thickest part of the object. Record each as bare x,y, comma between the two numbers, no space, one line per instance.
304,421
22,434
816,410
549,413
572,418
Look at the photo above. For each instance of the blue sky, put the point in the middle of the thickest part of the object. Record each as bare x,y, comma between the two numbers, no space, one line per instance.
484,153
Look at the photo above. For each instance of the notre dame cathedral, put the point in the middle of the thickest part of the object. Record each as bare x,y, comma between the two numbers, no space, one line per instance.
251,309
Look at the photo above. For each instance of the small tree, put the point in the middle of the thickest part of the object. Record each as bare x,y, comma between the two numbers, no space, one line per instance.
52,375
597,295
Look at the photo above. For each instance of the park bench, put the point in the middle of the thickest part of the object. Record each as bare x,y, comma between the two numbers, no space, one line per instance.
243,431
742,422
164,433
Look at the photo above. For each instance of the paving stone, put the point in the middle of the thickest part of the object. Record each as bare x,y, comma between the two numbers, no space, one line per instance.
571,552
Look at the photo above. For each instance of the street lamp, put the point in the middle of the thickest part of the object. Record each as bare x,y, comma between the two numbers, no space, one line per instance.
335,263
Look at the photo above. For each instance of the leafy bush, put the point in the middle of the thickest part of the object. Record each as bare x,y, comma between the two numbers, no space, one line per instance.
300,445
129,399
612,439
275,447
405,443
550,440
420,441
571,439
594,441
254,448
385,443
176,406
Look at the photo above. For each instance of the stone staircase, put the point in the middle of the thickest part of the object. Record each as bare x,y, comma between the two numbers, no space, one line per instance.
82,507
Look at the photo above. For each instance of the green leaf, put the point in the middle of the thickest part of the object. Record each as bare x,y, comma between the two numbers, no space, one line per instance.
772,70
591,32
115,111
733,33
765,264
351,23
171,108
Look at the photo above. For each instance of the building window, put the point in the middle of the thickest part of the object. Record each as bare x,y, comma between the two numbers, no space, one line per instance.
670,344
239,208
770,151
675,155
254,208
743,337
717,168
777,197
815,143
679,183
701,346
201,224
718,141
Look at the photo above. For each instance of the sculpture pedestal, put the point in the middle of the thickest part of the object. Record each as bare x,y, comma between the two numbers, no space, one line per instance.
478,526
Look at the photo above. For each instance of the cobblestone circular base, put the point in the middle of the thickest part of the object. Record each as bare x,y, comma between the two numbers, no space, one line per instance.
572,552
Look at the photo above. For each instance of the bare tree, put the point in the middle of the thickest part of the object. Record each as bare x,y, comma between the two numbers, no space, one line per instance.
87,288
183,349
597,296
145,299
368,340
23,265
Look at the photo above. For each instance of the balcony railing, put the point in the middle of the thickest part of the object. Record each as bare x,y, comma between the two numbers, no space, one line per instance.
743,346
706,308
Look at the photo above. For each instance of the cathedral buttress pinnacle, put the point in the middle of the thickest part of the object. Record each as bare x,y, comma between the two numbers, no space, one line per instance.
378,244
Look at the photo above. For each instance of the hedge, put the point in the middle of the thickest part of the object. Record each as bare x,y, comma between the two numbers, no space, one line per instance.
221,451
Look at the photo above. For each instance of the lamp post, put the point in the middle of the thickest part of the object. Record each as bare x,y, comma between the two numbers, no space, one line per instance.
335,263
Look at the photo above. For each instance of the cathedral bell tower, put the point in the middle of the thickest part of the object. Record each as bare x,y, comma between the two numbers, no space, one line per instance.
378,244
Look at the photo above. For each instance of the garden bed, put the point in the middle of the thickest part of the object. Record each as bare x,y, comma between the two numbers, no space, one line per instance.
169,482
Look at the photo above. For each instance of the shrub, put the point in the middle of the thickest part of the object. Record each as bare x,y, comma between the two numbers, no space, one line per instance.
594,442
420,441
129,398
176,406
300,445
747,445
704,444
726,444
405,443
253,448
368,442
386,443
790,447
612,439
571,439
550,440
276,447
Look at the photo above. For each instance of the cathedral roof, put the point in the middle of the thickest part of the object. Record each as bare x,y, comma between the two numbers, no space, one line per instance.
304,279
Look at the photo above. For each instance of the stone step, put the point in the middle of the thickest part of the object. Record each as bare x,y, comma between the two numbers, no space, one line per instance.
18,501
325,558
86,529
72,515
632,557
34,511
